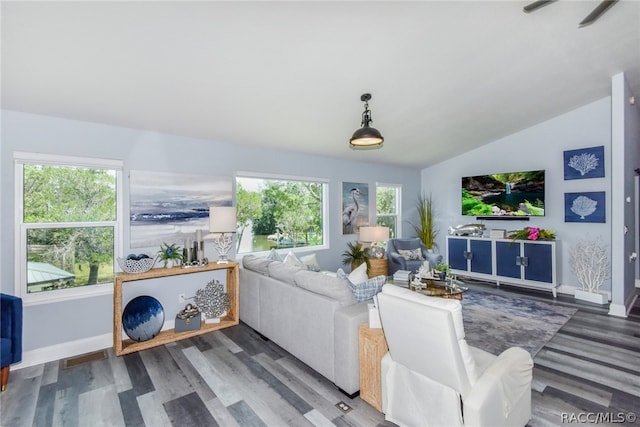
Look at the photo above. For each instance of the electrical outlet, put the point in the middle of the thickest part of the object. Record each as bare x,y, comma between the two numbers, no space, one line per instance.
181,298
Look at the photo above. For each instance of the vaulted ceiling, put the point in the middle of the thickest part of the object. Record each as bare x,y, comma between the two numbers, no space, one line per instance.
445,76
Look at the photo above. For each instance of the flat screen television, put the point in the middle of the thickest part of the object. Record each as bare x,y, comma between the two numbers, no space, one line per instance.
504,194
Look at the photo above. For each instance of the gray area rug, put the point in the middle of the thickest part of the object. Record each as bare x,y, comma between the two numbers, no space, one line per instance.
494,323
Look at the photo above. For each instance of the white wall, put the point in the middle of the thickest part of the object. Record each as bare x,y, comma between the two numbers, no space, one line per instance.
625,149
538,147
55,326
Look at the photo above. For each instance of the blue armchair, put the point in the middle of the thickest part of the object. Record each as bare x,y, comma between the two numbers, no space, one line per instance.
10,334
400,261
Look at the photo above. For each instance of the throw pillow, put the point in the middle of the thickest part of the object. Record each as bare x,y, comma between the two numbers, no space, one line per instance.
274,256
292,260
359,275
311,262
283,272
411,254
365,290
326,285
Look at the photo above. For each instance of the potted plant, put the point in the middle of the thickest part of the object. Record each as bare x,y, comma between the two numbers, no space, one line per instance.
425,228
355,255
442,270
170,254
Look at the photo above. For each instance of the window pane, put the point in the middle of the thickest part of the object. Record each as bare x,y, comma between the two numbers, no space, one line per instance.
59,258
388,221
278,214
68,194
386,200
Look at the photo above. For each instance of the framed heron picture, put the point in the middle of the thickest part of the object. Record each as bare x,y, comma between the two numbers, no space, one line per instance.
355,206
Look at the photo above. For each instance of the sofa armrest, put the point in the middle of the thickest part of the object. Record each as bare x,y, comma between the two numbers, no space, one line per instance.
502,394
11,324
347,321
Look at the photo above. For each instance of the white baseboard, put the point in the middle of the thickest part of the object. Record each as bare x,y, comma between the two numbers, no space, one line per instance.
64,350
70,349
618,310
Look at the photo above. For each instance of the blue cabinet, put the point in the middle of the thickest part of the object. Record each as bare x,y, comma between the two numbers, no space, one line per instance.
517,262
457,253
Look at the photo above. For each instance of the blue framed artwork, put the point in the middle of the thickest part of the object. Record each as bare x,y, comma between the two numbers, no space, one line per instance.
584,207
584,163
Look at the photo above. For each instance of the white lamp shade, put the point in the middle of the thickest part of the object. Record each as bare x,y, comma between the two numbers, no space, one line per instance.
374,234
222,219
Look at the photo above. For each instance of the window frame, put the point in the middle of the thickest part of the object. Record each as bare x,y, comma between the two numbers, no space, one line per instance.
398,206
20,227
325,207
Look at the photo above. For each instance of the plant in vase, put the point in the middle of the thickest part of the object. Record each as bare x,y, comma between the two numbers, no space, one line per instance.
532,233
170,254
355,255
441,269
425,228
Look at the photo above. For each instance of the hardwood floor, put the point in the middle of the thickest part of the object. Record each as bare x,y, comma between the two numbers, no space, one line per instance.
234,378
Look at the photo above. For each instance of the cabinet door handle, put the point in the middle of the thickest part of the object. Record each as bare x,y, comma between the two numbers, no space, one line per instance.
524,261
467,255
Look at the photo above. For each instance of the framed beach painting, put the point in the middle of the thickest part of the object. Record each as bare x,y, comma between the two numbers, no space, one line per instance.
584,207
171,208
584,163
355,206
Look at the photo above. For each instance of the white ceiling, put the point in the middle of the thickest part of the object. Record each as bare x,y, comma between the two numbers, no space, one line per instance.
445,76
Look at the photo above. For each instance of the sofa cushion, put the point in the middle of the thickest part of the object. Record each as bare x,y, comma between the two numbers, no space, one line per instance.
257,264
311,262
274,256
326,285
283,272
358,275
292,260
362,291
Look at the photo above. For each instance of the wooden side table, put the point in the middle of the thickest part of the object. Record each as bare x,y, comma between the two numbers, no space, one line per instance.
373,347
378,267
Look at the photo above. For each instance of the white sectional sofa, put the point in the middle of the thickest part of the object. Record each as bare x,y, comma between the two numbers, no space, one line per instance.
312,315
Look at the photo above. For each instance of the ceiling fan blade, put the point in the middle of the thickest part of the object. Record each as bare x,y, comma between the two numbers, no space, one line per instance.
536,5
597,12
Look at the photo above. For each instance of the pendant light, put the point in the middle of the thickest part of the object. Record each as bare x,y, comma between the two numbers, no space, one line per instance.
366,136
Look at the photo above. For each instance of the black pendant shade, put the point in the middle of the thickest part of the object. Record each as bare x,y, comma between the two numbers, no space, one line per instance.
366,136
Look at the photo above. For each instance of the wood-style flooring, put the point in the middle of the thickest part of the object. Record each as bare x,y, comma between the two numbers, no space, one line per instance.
232,377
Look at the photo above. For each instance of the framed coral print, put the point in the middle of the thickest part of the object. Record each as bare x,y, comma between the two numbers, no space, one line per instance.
584,163
584,207
355,206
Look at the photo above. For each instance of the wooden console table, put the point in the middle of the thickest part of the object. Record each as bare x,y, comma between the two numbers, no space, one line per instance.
122,346
373,347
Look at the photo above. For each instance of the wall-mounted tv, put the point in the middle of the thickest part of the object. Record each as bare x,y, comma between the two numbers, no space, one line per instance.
504,194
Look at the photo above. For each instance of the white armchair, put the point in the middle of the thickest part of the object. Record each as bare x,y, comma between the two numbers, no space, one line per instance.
431,377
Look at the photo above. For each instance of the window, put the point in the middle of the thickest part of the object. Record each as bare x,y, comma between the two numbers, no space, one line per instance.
68,226
388,207
280,212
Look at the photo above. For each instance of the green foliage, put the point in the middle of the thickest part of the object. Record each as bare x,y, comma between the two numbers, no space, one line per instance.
67,194
168,252
355,255
441,267
473,206
290,207
425,228
385,200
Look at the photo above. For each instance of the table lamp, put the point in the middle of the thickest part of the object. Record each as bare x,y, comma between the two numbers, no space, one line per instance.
222,225
372,235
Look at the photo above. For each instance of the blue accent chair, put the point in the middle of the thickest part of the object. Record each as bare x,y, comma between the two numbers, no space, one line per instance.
10,334
398,262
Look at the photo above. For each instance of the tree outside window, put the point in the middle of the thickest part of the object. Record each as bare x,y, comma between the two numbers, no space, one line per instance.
69,223
388,207
277,213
